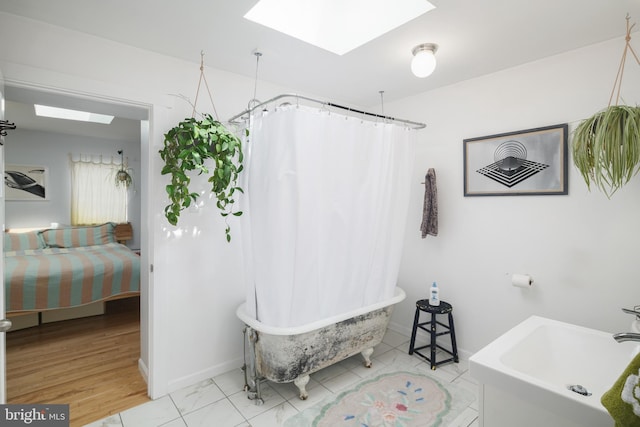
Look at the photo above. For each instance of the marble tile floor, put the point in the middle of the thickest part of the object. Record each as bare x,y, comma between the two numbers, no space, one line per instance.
221,401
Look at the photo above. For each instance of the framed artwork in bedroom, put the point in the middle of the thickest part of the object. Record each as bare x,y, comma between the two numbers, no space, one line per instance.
25,182
522,163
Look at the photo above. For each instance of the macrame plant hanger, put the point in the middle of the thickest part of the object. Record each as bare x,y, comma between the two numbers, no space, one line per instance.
606,145
617,85
203,78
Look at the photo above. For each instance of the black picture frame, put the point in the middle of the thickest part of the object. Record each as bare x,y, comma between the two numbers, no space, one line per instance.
529,162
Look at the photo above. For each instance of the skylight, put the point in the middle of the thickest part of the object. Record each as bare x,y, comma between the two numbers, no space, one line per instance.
63,113
338,26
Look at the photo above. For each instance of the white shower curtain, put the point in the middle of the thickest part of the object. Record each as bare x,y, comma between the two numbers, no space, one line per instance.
324,213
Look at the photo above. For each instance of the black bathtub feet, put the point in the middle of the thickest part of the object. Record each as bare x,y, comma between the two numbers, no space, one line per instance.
301,383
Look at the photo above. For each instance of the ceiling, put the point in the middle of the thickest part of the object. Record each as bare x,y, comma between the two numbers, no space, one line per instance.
474,37
124,127
120,129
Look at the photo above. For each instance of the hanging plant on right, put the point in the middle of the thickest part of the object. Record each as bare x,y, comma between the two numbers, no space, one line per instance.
606,146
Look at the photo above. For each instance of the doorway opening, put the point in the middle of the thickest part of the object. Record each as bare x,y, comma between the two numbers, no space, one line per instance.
131,133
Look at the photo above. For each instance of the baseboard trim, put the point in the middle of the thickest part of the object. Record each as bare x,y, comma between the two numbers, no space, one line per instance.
205,374
144,371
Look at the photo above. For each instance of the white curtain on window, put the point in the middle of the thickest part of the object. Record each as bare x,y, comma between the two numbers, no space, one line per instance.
324,213
95,197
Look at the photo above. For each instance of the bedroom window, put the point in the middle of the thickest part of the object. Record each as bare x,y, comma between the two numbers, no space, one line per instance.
95,197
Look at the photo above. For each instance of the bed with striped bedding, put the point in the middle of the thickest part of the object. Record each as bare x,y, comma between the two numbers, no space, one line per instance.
68,267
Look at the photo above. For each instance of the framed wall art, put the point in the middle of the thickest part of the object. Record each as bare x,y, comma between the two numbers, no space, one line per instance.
25,182
527,162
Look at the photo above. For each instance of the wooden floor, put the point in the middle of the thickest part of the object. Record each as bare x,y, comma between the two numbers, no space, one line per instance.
90,363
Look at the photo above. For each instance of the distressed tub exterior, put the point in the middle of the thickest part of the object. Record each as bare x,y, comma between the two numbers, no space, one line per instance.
284,355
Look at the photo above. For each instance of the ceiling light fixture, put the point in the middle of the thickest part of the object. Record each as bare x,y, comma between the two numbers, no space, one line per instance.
424,59
66,114
338,26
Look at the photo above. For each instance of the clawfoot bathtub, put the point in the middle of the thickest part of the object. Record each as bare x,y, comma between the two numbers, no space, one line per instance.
285,355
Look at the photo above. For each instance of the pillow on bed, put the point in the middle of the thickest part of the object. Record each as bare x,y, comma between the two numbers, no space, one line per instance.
74,237
23,241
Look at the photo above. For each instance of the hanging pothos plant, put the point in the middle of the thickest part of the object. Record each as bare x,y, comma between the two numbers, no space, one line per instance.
606,146
187,148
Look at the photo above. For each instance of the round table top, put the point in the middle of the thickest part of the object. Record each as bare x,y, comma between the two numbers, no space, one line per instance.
443,308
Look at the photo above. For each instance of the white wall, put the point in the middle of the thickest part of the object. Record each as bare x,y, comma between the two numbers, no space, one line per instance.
581,249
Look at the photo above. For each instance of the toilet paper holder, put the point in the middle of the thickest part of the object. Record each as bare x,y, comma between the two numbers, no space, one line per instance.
521,280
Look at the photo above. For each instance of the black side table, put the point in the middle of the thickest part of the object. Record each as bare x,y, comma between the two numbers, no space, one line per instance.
444,308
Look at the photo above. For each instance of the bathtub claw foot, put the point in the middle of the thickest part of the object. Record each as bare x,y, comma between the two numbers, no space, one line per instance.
301,383
254,396
366,354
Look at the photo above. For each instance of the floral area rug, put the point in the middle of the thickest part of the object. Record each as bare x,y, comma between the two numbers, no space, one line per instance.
389,399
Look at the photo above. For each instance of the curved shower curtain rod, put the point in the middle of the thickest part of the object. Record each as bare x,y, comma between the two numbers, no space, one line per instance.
414,125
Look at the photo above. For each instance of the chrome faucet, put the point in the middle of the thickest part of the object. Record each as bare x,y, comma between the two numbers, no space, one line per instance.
628,336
